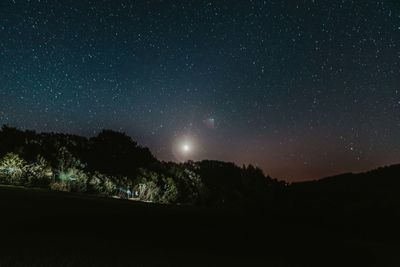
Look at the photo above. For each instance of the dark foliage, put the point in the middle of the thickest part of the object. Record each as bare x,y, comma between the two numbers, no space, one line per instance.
112,163
117,154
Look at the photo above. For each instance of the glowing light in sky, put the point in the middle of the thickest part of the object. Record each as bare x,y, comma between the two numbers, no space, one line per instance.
185,148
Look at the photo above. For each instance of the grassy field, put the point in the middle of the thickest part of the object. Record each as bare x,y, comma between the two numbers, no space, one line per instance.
43,228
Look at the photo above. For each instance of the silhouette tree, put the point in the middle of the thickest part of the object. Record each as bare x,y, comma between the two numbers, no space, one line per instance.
117,154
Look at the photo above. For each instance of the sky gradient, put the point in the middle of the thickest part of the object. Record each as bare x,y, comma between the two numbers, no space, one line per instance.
302,89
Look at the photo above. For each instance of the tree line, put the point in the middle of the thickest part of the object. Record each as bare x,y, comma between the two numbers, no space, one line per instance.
112,164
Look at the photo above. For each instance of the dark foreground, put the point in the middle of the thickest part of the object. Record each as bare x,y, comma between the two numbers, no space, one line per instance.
41,228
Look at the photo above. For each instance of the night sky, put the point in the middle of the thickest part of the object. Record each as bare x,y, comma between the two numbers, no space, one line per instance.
302,89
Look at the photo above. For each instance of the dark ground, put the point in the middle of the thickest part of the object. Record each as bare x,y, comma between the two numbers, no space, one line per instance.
41,228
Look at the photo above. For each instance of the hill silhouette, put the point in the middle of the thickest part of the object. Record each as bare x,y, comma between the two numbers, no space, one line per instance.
113,164
373,191
56,205
383,179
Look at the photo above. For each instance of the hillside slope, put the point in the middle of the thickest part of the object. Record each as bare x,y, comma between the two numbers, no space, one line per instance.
384,179
44,228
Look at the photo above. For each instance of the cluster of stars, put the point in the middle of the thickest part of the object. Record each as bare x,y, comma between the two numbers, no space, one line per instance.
301,88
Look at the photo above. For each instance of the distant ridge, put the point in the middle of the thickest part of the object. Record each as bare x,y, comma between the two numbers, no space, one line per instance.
385,178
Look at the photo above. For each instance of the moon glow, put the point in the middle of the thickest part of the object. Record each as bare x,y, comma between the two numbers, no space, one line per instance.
184,148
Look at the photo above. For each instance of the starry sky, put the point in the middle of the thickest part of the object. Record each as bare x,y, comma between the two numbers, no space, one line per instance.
302,89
